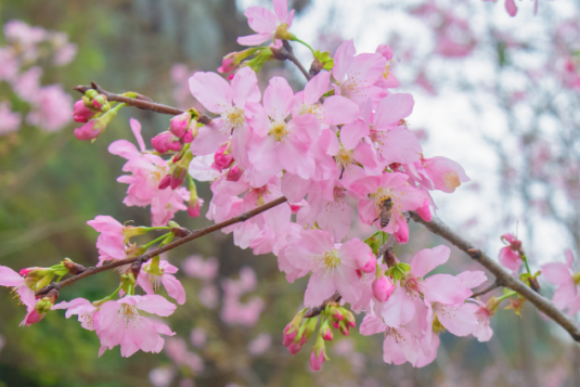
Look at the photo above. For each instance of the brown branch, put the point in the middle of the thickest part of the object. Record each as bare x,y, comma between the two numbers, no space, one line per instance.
140,101
176,243
491,287
502,277
290,55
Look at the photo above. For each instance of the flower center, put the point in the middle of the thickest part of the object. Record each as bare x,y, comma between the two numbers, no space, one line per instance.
234,117
576,278
278,130
156,174
128,313
386,70
344,157
338,193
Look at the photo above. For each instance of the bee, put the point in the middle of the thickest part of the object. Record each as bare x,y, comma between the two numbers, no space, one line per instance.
385,212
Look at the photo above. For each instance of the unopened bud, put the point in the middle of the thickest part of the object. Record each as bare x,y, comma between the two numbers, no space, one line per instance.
223,158
72,267
369,267
180,124
383,288
82,114
234,174
164,142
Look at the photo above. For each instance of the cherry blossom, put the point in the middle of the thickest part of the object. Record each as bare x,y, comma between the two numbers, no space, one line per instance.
268,25
562,275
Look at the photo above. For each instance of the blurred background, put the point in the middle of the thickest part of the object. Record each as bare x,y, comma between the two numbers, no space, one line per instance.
499,95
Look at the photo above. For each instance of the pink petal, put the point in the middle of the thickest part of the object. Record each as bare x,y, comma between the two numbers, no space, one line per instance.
392,351
174,288
10,278
399,309
556,273
278,98
254,40
335,218
281,10
399,145
260,19
340,110
352,133
123,148
257,118
209,139
347,283
458,321
445,173
509,259
155,304
367,211
471,279
392,109
316,87
510,7
210,90
569,258
445,289
320,287
371,325
294,187
427,259
355,253
294,157
244,87
136,129
343,58
403,232
366,68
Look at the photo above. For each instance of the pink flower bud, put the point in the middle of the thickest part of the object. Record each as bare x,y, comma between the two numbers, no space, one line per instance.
86,132
382,289
164,183
221,160
227,64
82,114
179,124
335,324
164,142
316,360
328,335
33,317
230,77
344,329
234,174
194,211
369,267
175,182
295,208
289,334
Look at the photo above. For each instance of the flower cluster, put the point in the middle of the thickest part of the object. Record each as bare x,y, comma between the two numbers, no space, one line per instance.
339,151
26,47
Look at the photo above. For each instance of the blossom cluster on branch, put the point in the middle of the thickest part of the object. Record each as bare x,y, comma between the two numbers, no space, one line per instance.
339,153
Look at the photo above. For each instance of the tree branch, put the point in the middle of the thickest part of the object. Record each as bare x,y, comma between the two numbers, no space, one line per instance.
140,101
176,243
290,55
487,289
502,277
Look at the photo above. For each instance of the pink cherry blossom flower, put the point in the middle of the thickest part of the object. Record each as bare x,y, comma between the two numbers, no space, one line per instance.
482,312
195,266
335,110
382,289
376,189
394,142
387,80
149,279
509,256
120,323
357,74
444,173
227,100
111,241
266,23
51,108
334,266
280,145
562,275
80,307
10,278
316,359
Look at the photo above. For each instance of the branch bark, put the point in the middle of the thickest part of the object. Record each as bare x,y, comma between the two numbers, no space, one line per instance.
176,243
140,101
503,278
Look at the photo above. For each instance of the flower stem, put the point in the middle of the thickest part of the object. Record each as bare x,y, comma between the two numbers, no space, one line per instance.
160,238
304,44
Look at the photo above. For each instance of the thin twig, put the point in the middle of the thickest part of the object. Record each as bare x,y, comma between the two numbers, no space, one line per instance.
504,278
176,243
141,101
491,287
290,55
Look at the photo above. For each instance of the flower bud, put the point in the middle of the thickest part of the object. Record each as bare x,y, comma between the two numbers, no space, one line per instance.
164,183
288,335
234,174
382,289
424,211
223,158
179,124
72,267
82,114
94,127
100,103
336,313
326,332
164,142
369,267
317,356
